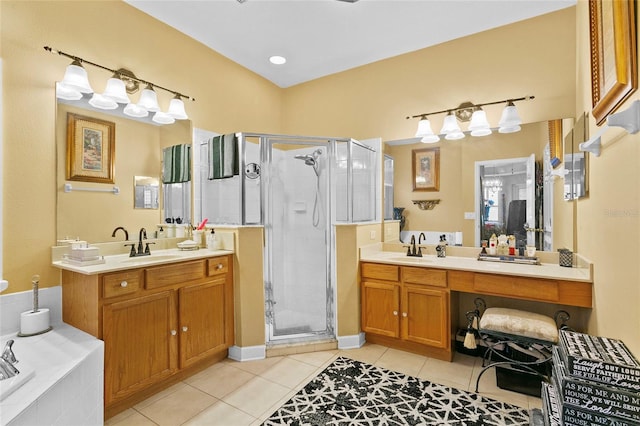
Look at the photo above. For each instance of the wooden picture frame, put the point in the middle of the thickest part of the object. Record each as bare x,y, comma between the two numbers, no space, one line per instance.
425,166
90,149
614,59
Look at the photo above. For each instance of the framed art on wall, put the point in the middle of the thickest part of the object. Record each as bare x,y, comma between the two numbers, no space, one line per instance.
614,59
90,149
426,169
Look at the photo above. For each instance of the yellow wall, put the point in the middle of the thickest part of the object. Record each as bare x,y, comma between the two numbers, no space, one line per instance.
228,98
608,228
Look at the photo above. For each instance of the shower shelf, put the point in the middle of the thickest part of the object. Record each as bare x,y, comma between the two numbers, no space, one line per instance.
426,204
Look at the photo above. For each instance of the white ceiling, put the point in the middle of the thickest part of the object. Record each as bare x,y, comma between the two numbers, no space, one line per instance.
322,37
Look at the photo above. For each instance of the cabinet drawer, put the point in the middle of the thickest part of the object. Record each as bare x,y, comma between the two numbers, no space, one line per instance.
528,288
176,273
426,276
380,272
121,283
218,265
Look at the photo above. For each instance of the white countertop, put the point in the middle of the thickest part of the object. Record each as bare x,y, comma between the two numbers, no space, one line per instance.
122,262
375,253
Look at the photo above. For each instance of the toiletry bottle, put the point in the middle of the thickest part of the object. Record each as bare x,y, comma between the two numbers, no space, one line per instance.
161,232
493,244
213,242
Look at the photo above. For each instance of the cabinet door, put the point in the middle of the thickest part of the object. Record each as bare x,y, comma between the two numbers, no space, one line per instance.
140,343
425,316
380,308
203,320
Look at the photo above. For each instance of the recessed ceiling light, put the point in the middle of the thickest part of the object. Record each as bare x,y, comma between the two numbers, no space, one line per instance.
277,60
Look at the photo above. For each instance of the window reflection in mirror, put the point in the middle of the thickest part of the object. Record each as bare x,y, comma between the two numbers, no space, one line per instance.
146,192
388,187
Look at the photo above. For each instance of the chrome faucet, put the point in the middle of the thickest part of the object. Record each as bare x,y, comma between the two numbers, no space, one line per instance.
141,251
7,359
126,234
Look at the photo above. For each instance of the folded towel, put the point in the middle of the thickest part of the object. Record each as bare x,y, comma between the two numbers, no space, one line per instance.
223,157
176,164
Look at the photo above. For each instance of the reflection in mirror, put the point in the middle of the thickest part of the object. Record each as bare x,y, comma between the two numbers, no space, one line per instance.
146,192
457,210
575,178
176,179
92,216
388,187
506,199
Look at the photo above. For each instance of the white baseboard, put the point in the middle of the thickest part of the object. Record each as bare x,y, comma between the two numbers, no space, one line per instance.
351,342
247,353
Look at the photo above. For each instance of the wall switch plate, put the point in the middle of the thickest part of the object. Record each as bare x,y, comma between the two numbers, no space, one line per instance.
372,235
470,215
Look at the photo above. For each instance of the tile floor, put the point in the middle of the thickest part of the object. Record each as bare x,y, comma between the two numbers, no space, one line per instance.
233,393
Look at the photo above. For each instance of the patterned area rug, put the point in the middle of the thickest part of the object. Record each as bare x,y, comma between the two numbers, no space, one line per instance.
350,392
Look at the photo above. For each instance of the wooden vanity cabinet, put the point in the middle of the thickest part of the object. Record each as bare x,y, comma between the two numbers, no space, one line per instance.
406,307
159,323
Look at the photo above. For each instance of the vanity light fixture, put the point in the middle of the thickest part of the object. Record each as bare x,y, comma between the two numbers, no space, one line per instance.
75,86
479,126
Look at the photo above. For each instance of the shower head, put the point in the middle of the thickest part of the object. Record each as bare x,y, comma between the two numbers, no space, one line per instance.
309,159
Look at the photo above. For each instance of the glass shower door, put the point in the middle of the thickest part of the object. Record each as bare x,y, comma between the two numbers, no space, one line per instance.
298,291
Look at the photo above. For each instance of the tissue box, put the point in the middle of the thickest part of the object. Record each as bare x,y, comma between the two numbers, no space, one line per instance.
84,253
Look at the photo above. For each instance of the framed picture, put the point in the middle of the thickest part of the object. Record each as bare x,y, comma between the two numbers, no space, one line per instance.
426,169
614,60
90,149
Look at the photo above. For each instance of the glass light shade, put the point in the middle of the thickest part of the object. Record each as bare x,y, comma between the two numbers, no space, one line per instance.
511,129
67,93
430,139
424,128
176,109
149,99
102,102
134,110
450,125
452,136
116,90
163,118
509,118
479,125
75,77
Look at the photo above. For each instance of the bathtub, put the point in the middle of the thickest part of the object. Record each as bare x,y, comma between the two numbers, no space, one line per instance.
66,387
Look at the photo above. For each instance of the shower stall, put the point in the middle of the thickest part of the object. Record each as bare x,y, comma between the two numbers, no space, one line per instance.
296,187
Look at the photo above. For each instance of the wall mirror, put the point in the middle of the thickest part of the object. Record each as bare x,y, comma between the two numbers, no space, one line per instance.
146,192
575,167
89,212
458,208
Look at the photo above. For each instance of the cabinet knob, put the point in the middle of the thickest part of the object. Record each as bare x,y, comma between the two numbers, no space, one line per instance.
185,328
219,266
174,332
395,313
124,284
404,314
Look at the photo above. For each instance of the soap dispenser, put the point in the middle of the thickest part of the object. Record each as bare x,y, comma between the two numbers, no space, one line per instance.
213,242
441,248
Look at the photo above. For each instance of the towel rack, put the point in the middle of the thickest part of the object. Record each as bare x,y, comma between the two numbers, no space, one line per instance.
628,119
68,188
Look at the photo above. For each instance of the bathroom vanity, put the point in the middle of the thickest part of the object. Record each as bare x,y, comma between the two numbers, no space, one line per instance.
162,318
409,302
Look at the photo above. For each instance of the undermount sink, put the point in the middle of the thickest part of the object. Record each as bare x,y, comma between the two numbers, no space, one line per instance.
411,259
150,258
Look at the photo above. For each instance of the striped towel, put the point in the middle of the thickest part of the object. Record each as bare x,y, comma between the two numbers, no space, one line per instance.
223,156
176,164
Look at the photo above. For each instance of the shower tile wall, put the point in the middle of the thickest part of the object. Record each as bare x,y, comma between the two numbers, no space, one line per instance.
299,269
